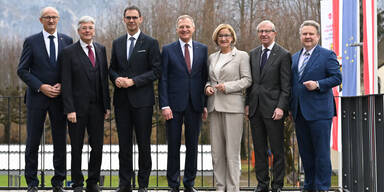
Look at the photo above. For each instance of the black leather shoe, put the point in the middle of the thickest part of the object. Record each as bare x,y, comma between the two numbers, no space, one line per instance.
32,189
308,190
276,190
261,189
322,191
190,189
174,189
143,189
58,189
123,189
92,188
78,189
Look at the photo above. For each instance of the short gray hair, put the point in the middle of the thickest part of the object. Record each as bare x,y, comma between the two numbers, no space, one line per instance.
85,19
43,10
184,17
312,23
266,22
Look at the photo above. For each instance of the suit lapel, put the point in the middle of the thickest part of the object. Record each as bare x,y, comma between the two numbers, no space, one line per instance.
43,47
99,61
138,45
60,42
196,49
215,59
311,61
84,59
256,62
180,55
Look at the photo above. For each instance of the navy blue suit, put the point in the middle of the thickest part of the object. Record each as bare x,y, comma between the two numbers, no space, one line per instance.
313,112
34,69
183,92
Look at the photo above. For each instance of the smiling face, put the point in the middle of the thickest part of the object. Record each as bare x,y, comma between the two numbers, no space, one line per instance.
49,19
185,29
309,37
86,32
132,20
224,38
266,34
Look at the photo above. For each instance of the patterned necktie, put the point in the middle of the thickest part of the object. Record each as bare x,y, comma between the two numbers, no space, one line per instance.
52,51
305,61
91,55
187,58
264,58
132,39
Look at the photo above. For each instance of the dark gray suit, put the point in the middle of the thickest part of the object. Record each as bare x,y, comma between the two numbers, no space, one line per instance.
270,89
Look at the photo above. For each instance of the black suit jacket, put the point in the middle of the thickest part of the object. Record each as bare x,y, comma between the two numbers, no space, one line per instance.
271,87
76,85
34,68
143,67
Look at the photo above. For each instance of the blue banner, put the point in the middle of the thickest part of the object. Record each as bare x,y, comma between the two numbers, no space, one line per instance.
349,54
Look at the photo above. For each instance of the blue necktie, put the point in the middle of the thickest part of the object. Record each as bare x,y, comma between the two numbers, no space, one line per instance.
264,58
305,61
52,51
132,39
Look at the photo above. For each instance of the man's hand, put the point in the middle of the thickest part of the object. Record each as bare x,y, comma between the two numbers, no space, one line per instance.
72,117
246,112
209,91
167,113
107,114
50,91
278,114
310,85
119,82
205,114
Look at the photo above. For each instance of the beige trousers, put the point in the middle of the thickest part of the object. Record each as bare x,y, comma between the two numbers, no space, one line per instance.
226,133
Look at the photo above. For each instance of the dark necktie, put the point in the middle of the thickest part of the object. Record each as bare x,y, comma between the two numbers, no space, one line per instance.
187,58
132,39
52,51
91,55
305,61
264,58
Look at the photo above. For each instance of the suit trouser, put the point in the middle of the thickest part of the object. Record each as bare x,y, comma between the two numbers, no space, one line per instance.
35,126
128,119
313,138
264,130
226,132
192,123
93,121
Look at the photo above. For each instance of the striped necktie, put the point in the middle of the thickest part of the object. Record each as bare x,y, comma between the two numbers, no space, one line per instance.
305,61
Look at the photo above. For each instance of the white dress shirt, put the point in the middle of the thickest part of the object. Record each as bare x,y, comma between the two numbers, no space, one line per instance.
85,48
48,42
136,36
190,49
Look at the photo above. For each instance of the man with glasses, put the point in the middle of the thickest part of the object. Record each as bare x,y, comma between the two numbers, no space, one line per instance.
39,70
135,65
267,104
86,101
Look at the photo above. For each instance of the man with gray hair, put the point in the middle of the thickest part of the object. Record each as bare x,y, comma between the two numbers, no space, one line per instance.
86,101
315,71
267,104
38,69
181,91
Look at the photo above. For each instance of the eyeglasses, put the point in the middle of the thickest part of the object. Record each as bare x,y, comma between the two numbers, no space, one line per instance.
50,17
84,28
265,31
129,17
224,35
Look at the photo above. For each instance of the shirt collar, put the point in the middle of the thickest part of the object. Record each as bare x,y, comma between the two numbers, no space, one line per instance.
309,51
46,34
83,44
269,47
182,43
136,35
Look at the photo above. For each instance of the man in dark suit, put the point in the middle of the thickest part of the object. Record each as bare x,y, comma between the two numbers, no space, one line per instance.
315,71
267,103
135,64
181,91
38,69
86,101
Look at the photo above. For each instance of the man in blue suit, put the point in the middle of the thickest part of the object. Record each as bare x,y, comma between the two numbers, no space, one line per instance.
315,71
181,94
38,69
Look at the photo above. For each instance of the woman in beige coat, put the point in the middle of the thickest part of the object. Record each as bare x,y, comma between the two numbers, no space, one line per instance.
229,75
